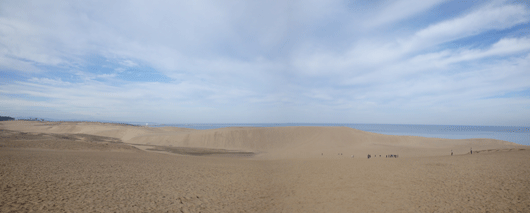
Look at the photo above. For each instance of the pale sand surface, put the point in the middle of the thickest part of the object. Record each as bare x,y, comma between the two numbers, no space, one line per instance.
85,167
269,142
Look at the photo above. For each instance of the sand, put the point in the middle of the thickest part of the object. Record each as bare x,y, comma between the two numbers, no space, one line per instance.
87,167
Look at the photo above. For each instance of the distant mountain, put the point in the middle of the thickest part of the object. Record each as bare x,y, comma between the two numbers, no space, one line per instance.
6,118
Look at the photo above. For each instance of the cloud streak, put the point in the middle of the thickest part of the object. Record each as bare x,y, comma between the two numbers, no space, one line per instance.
484,19
275,61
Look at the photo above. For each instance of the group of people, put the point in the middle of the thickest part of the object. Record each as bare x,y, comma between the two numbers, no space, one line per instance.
388,156
470,151
396,156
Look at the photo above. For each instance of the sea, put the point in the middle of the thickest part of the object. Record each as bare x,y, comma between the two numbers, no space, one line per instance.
515,134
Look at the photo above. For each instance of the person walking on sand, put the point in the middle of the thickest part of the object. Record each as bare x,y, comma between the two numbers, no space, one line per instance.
471,150
451,152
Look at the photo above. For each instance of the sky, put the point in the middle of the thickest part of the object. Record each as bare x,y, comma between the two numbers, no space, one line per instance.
330,61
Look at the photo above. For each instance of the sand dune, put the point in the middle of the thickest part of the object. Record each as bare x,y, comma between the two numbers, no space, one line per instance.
270,142
122,132
92,167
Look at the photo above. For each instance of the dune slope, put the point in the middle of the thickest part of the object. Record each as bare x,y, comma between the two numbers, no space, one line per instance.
78,167
271,142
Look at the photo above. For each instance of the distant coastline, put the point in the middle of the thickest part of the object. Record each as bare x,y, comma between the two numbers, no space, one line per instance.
515,134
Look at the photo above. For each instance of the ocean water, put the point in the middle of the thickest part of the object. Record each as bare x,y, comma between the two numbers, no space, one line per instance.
516,134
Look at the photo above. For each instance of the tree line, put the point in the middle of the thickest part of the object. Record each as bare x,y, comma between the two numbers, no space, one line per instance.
6,118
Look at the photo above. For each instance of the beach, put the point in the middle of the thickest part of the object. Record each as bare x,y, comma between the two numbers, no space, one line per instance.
87,167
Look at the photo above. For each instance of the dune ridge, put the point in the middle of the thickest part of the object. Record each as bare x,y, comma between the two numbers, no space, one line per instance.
270,142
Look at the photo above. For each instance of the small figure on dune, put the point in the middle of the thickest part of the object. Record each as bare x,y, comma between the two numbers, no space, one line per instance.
471,150
369,156
451,152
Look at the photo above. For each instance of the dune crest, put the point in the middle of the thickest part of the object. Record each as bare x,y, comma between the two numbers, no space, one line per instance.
271,142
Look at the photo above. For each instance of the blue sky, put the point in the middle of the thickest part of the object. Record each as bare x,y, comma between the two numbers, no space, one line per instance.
390,62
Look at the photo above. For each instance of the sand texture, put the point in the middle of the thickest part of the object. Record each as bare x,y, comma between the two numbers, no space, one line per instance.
95,167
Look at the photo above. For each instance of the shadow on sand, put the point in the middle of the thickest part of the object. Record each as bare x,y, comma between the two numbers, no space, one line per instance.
201,151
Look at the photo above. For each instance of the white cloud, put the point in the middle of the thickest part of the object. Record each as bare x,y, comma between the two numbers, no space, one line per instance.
47,81
17,65
369,55
128,63
24,42
286,57
481,20
107,76
443,59
402,9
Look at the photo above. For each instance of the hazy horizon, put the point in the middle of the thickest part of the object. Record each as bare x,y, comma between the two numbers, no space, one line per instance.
434,62
152,123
